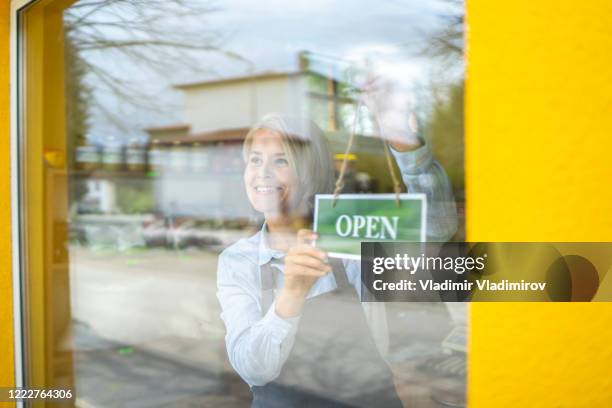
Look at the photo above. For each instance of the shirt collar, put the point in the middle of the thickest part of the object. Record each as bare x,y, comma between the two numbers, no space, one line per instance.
266,254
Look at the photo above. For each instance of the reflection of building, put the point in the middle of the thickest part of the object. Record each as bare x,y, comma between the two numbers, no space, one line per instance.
199,163
198,175
196,166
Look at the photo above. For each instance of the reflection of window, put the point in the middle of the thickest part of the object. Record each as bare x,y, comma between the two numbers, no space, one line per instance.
332,105
330,109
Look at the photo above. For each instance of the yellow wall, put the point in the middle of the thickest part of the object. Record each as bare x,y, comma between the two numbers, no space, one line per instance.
539,167
6,299
539,155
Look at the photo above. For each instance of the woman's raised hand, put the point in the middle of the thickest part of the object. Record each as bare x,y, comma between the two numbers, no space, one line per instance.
304,264
392,107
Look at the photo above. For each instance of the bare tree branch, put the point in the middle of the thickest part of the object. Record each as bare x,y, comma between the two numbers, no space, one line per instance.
161,37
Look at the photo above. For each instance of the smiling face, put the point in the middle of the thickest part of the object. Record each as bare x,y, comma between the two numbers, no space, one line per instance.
270,180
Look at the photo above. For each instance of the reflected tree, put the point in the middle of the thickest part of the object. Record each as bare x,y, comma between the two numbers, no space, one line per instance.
122,55
447,43
130,49
446,123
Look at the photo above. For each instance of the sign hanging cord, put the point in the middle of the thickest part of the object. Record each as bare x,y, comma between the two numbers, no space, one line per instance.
397,186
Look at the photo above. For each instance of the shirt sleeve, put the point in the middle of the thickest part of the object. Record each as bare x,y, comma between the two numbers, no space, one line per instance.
257,346
421,173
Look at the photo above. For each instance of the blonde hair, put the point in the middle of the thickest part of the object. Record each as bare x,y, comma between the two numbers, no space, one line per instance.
306,150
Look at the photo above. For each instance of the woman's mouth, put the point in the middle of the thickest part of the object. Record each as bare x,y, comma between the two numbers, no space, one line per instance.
267,189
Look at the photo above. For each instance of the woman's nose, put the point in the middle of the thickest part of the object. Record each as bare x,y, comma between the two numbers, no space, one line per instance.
265,170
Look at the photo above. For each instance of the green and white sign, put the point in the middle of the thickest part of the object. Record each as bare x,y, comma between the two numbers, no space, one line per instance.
367,217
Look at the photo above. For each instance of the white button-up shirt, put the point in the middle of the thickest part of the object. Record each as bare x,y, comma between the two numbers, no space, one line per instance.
257,345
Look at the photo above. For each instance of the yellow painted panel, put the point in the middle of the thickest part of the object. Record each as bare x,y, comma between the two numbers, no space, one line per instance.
7,373
46,206
539,168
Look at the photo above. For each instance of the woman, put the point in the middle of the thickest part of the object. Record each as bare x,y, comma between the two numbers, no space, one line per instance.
296,331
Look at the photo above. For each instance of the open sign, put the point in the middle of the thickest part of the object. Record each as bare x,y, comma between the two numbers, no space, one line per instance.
367,217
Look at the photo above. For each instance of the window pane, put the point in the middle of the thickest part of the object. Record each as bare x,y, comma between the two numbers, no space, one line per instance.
183,143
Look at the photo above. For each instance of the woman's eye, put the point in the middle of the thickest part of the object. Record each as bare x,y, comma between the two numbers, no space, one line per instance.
255,160
281,162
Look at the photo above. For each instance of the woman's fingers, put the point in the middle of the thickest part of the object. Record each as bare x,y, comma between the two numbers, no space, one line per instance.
309,261
305,259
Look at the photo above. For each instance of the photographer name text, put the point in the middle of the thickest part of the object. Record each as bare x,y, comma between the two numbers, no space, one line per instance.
449,285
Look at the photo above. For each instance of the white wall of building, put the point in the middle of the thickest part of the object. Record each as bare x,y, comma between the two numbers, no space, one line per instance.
230,105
